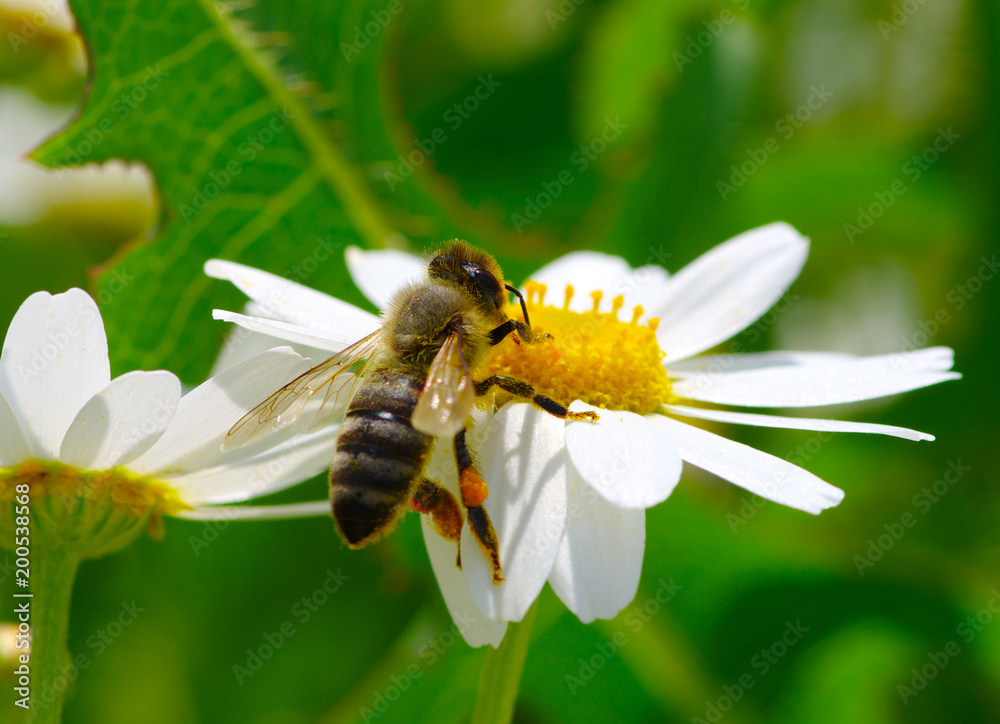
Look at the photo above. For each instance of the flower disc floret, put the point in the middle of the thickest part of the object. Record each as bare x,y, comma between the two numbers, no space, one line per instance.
591,356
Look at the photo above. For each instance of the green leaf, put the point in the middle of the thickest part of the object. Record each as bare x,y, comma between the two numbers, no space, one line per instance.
39,56
245,172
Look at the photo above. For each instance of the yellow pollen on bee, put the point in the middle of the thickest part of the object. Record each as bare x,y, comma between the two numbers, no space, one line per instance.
590,356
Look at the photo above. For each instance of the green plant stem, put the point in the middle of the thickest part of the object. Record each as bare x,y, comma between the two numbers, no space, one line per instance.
500,679
52,573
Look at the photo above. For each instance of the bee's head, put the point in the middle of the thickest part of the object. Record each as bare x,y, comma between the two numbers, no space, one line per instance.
473,270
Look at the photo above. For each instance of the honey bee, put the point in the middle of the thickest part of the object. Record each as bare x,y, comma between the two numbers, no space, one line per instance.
403,385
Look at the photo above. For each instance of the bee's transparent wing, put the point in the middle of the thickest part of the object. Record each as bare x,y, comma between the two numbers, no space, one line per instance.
448,394
335,378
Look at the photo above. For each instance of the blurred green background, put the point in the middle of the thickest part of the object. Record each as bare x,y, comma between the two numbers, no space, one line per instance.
871,126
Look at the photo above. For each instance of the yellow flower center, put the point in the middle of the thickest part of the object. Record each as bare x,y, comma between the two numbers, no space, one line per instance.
103,501
589,356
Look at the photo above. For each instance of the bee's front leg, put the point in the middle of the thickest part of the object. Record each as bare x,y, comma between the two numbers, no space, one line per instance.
498,334
474,492
525,390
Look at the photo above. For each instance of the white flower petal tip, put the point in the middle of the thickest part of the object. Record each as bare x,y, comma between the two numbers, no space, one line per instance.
823,383
797,423
121,421
596,573
764,475
55,358
292,302
380,273
624,456
476,629
524,455
727,289
296,334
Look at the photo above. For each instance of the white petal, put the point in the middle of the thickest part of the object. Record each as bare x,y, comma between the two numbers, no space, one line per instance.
726,289
204,416
822,384
379,274
762,474
294,333
625,457
55,358
644,287
293,302
474,626
316,509
719,363
797,423
597,570
296,458
524,460
122,421
14,446
586,271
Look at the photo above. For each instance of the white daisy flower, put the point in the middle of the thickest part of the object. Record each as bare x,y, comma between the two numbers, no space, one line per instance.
568,500
133,445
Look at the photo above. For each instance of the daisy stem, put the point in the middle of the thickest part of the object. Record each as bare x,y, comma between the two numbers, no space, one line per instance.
52,573
500,678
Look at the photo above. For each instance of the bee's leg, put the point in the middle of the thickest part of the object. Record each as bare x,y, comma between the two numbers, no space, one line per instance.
511,325
520,388
435,500
474,491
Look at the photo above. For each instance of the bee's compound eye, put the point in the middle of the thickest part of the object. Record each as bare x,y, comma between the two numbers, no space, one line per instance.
486,285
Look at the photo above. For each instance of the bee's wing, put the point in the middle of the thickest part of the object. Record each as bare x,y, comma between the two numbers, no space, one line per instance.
448,394
335,378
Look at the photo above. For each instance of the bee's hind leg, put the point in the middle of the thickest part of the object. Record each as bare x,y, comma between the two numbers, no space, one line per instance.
474,492
439,505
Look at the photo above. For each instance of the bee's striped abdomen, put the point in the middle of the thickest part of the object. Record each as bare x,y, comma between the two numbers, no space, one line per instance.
379,455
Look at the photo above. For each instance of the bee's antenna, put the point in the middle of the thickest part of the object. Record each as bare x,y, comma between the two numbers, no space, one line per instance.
524,307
